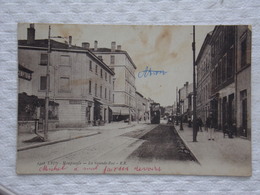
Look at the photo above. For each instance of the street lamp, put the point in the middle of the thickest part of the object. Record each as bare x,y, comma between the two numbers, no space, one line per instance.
47,95
194,89
47,98
181,126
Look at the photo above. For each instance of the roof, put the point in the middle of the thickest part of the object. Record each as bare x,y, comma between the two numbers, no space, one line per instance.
109,51
139,94
205,43
44,43
55,45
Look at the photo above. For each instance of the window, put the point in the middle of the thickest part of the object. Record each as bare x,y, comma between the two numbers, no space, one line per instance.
213,50
219,74
100,91
96,69
65,60
230,63
105,93
243,53
112,59
43,83
95,89
89,87
101,73
90,65
44,59
224,69
106,76
109,95
64,84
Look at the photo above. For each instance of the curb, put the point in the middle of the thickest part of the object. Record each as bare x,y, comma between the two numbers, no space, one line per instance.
54,142
127,127
184,142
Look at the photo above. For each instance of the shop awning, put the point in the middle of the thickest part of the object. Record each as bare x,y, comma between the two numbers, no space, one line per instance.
120,110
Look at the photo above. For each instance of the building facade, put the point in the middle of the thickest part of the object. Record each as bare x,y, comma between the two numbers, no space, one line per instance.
203,63
124,96
142,107
80,83
243,81
227,81
185,101
223,76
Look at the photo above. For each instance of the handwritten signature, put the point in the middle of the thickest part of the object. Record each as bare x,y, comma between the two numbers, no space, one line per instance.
149,72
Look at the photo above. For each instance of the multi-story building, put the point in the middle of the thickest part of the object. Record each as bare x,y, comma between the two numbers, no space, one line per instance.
124,102
227,80
223,48
243,81
81,85
203,63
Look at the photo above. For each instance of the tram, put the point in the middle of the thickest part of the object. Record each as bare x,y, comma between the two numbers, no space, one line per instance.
155,113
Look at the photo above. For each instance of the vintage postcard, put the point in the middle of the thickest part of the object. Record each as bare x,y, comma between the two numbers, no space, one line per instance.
129,99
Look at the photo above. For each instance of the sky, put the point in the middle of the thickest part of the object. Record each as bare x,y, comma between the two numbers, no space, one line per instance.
161,48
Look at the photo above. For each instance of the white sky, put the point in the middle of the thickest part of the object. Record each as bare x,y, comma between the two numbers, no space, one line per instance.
165,48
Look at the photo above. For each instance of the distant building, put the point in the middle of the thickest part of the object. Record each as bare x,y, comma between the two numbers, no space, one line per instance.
80,83
141,107
169,110
185,101
124,95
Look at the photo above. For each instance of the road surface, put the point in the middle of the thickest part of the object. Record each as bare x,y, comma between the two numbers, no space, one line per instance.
117,147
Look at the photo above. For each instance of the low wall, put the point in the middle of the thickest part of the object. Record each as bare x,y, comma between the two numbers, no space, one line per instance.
29,126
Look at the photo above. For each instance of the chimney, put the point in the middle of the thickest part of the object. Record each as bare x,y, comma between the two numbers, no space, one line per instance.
119,47
70,41
95,45
113,46
85,45
30,34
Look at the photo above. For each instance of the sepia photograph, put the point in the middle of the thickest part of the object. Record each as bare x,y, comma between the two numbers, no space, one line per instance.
134,99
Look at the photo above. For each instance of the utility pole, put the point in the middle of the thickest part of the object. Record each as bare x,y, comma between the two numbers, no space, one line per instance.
177,109
47,88
194,90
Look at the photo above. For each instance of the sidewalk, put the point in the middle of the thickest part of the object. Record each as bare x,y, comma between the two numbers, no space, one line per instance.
66,134
222,154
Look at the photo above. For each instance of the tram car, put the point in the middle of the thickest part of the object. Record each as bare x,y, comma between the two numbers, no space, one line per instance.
155,113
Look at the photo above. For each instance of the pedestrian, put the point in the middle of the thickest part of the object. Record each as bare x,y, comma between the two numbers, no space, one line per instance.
209,124
200,123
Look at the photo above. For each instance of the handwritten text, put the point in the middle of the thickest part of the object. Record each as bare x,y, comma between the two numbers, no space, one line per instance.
149,72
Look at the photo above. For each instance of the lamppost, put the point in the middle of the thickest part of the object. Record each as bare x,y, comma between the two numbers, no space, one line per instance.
47,95
129,121
47,98
181,126
194,89
177,109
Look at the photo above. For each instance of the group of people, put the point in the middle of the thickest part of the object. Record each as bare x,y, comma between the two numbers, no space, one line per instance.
209,126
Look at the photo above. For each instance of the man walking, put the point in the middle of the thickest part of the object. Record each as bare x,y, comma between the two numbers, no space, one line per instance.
209,124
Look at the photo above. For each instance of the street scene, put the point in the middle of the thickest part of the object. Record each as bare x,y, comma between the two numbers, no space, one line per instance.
166,100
